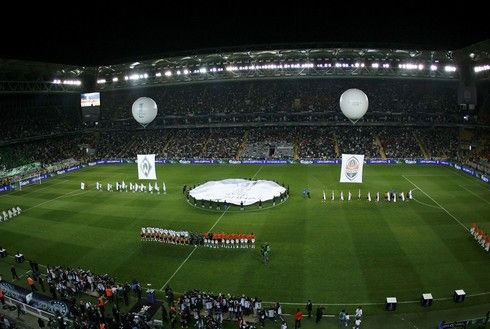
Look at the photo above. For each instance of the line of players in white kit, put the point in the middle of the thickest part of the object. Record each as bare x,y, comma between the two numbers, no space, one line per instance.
211,240
389,196
164,235
10,213
122,186
480,236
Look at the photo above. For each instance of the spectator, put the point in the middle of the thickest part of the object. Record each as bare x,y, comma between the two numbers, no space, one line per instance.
309,308
319,313
297,319
40,323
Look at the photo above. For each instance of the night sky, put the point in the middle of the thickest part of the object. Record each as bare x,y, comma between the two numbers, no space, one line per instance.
95,35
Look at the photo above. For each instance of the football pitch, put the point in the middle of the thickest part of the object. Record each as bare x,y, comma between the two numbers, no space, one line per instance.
333,252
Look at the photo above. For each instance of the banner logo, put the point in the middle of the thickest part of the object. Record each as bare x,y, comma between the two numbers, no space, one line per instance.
146,166
352,168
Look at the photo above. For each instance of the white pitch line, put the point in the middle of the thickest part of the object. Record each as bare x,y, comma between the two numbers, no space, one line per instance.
409,322
178,268
195,247
35,190
447,212
217,221
257,171
192,251
59,197
423,203
482,185
479,197
426,204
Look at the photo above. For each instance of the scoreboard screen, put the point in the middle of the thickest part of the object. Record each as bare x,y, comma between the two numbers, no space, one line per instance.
90,105
90,99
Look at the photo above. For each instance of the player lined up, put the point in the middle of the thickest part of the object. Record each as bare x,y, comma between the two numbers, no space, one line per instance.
390,196
165,235
211,240
480,236
136,187
10,213
229,240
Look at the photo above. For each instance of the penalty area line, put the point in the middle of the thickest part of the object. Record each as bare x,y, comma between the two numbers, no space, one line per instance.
59,197
437,203
479,197
34,190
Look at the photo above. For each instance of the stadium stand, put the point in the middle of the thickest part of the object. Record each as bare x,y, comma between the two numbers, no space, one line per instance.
288,119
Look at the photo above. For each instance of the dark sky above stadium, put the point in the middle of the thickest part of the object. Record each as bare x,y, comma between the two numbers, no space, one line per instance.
94,34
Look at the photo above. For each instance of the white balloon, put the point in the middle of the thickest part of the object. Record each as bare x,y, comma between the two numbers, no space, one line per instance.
354,104
144,110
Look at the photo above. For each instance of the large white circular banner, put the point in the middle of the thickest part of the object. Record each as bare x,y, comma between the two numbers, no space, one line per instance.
236,191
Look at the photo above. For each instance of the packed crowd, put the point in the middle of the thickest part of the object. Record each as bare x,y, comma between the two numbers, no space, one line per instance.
71,282
400,143
306,100
358,140
317,143
194,308
288,101
27,115
208,310
46,151
239,143
296,104
439,142
239,102
223,143
187,143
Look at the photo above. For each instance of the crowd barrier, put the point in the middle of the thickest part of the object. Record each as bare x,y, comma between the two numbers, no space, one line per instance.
32,302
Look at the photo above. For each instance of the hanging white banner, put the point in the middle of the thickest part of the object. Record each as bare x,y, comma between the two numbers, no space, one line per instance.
146,166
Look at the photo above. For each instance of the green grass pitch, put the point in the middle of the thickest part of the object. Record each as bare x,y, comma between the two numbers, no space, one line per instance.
333,253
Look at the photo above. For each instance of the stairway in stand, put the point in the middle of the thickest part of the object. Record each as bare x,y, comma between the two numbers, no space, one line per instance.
241,147
336,146
421,145
381,149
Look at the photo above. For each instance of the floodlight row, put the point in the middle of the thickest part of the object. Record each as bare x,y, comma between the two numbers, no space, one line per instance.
253,67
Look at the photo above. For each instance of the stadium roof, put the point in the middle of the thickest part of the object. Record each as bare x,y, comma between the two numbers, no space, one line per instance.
94,36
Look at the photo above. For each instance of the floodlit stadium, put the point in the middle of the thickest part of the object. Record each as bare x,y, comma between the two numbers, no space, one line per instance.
216,188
